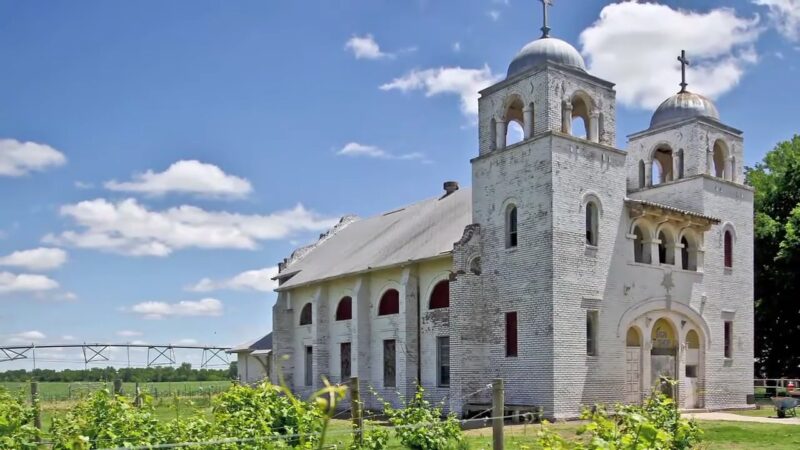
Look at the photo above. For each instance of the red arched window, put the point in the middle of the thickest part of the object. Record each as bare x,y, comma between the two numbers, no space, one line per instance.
345,309
390,303
440,297
728,248
305,315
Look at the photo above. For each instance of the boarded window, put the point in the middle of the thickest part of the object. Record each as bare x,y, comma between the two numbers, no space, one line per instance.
728,248
443,360
728,339
309,366
305,315
344,356
511,334
511,227
344,311
591,333
390,303
440,296
389,363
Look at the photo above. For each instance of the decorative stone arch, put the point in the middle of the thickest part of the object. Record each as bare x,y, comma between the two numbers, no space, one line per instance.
580,104
643,241
661,157
666,250
656,305
720,159
437,278
512,109
690,243
389,285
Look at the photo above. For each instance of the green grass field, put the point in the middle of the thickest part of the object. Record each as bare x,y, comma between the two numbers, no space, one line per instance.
55,391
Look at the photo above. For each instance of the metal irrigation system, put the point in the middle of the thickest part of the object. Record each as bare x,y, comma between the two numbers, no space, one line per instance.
157,355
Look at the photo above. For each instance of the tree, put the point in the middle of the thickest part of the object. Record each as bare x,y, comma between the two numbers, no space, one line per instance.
777,260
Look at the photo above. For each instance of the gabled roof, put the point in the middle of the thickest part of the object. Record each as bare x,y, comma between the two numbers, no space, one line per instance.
262,343
416,232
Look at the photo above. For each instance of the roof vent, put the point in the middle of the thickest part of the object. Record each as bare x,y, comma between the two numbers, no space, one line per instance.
450,187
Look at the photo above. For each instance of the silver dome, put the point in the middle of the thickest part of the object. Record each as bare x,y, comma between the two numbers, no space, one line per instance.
681,106
545,49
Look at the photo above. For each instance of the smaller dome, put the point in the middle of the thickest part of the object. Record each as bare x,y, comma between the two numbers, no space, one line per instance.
545,49
682,106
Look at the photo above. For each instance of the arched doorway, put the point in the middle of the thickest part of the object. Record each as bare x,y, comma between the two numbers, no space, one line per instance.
633,366
663,357
692,371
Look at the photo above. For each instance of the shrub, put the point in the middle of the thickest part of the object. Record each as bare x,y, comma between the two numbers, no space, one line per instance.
420,426
16,423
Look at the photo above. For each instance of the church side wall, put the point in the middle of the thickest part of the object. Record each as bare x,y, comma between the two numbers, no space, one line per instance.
517,279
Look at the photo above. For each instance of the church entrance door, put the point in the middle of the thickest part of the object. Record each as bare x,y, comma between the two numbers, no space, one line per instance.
633,367
663,358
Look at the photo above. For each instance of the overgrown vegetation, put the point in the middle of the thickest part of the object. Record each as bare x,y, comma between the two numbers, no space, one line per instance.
420,426
16,423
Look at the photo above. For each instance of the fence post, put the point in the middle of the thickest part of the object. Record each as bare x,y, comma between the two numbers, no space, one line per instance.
37,412
356,414
137,400
118,387
498,411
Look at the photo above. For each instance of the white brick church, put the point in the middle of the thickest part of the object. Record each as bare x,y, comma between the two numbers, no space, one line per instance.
577,272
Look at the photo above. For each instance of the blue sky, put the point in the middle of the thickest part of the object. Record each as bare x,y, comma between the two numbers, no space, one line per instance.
152,151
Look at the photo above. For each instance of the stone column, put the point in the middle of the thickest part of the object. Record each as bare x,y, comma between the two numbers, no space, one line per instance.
321,336
675,251
676,165
500,134
594,126
527,116
566,118
729,169
653,246
648,173
710,162
407,378
283,339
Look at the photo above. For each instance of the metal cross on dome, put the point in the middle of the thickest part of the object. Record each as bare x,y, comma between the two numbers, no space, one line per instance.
545,28
684,63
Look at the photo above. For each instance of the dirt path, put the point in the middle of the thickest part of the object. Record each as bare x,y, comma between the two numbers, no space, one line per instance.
739,418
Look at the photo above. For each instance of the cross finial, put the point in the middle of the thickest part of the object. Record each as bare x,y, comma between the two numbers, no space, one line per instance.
684,63
545,28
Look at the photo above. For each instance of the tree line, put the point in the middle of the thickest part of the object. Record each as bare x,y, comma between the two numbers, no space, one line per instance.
184,372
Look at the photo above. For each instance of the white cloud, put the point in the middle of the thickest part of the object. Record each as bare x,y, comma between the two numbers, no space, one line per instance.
129,228
354,149
26,337
785,15
187,341
128,333
251,280
83,185
67,337
12,283
365,47
21,158
494,15
447,80
185,308
35,259
456,46
636,45
185,177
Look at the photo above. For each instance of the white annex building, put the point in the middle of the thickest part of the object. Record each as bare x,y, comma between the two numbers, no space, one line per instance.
577,272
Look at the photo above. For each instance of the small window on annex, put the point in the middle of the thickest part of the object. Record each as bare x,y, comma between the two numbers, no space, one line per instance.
305,315
443,361
344,360
440,296
389,363
592,218
344,311
309,366
390,303
511,226
728,346
511,334
591,333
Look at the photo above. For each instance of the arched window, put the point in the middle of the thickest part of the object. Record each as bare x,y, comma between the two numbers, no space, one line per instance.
514,118
720,155
515,133
581,105
728,243
692,340
680,164
511,226
633,338
344,311
666,249
662,165
591,223
642,172
305,315
440,296
475,265
390,303
641,249
688,253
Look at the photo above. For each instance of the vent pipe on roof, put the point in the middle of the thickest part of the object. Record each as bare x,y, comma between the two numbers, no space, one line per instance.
450,187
